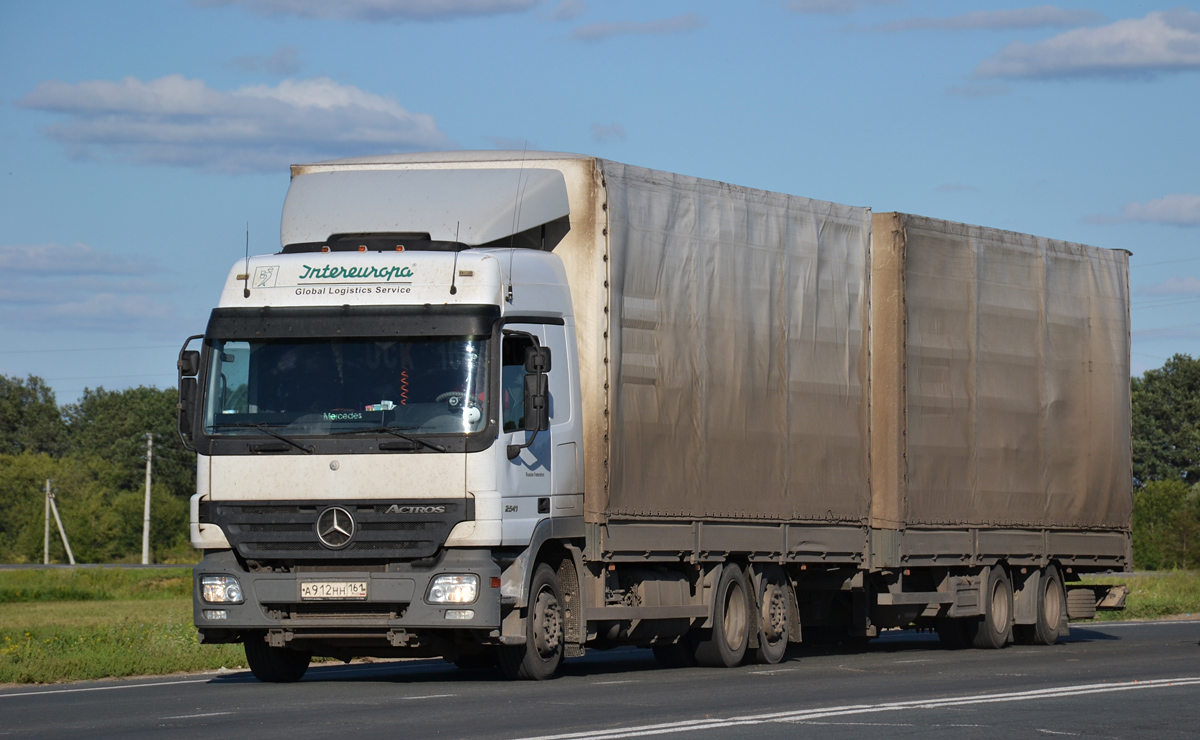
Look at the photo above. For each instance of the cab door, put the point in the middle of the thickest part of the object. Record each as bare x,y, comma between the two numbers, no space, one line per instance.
527,478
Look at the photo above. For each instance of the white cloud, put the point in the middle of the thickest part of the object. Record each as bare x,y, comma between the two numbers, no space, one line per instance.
568,10
57,260
182,122
376,10
1173,286
52,287
1040,17
282,62
833,7
1161,42
1178,209
610,132
661,27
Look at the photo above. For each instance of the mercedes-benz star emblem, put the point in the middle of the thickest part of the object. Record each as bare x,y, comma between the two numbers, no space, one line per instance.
335,527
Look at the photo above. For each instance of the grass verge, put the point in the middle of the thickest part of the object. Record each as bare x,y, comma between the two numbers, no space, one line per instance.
76,624
1154,595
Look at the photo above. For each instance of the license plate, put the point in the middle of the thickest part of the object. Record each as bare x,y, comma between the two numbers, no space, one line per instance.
333,590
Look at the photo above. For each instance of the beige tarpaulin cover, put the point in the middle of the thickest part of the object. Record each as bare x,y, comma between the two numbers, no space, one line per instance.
736,350
1017,377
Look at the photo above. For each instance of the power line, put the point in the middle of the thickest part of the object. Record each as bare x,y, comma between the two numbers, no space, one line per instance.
1166,262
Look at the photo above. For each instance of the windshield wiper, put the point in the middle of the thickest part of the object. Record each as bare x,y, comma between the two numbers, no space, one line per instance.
395,432
266,428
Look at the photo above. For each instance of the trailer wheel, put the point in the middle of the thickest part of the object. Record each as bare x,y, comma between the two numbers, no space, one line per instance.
273,664
541,655
774,624
1050,617
726,646
993,628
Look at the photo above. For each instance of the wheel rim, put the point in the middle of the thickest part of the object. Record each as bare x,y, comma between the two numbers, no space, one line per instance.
999,606
547,624
735,616
774,613
1052,604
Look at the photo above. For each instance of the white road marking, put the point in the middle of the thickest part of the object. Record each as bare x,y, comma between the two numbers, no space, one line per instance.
811,714
610,683
1053,732
922,660
772,672
106,688
193,716
430,696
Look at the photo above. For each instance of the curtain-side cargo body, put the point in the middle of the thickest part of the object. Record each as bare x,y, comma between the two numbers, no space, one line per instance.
501,407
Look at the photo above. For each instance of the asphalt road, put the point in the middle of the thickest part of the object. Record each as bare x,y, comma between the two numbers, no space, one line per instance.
1116,680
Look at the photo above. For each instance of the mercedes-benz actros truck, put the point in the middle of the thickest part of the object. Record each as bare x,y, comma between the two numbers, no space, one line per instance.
505,407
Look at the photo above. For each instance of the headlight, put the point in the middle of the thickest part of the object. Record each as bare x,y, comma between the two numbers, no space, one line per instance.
221,590
457,589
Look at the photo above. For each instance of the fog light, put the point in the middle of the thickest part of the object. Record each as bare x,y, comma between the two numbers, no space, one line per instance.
460,614
216,614
453,589
221,590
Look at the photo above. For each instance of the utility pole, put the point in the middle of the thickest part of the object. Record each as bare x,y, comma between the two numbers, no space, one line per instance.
46,542
52,507
146,517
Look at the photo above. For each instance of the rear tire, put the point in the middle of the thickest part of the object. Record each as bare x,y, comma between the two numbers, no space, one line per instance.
275,665
774,615
541,655
1051,612
726,646
993,629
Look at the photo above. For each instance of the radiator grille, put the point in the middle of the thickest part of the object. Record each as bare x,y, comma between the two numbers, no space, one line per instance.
287,531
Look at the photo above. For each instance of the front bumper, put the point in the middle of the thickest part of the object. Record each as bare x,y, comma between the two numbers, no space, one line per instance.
395,603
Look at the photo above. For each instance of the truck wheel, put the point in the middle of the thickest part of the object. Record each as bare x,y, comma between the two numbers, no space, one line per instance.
541,655
1050,618
272,664
774,623
726,646
994,627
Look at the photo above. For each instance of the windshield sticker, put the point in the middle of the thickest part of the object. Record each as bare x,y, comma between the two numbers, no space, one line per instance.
342,416
333,272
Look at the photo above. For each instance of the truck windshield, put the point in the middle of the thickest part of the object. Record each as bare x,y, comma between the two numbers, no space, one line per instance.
317,387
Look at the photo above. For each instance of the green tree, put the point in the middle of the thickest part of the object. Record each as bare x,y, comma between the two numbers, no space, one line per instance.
30,420
1166,423
112,425
1166,525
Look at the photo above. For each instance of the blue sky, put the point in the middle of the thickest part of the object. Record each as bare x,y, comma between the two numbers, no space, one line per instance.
138,139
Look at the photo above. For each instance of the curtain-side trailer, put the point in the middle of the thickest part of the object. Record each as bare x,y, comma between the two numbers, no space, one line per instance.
502,407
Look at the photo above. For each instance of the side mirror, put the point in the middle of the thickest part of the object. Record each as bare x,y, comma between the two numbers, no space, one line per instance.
537,404
537,360
185,407
537,396
189,363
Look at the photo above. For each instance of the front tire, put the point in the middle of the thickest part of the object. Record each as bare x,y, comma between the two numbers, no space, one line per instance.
275,665
541,655
726,646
